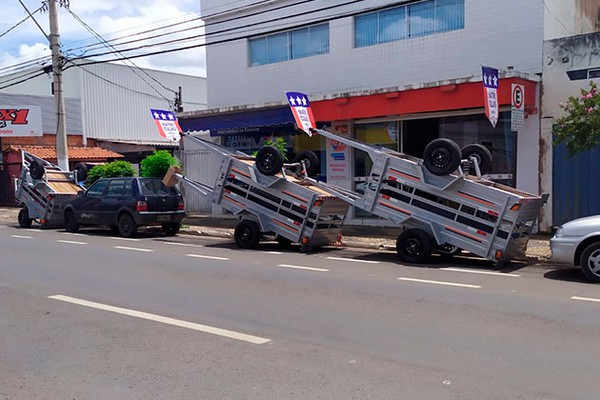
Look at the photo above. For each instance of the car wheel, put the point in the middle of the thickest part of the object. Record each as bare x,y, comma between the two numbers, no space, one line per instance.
442,156
171,229
481,153
269,160
24,220
71,224
414,246
127,226
590,262
36,169
247,235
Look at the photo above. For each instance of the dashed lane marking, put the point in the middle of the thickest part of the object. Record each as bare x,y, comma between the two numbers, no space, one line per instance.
470,271
464,285
133,249
183,244
208,257
165,320
70,242
593,300
21,237
126,239
301,267
353,260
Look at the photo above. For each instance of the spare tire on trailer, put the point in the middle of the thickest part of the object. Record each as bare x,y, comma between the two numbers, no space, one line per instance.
82,171
442,156
36,169
481,153
310,160
269,160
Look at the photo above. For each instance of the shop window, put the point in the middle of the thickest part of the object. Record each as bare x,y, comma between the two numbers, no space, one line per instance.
289,45
417,19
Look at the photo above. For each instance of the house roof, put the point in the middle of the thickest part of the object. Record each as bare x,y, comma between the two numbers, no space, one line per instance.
74,153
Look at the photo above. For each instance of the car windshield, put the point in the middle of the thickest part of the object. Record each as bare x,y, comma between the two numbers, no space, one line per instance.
154,186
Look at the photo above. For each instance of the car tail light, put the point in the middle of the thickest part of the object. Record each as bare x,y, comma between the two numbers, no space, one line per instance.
141,206
180,205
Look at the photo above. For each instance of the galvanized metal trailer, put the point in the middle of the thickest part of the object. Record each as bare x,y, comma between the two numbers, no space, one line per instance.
275,203
41,189
442,208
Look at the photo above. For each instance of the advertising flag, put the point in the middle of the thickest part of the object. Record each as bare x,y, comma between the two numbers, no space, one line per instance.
302,112
490,93
167,124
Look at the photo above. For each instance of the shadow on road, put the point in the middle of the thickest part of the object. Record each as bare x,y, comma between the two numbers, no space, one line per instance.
567,274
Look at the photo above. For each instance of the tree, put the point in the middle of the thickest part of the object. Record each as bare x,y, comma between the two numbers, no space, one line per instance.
110,170
579,128
157,164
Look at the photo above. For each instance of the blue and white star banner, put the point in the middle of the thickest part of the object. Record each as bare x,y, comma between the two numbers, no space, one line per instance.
303,114
490,93
167,124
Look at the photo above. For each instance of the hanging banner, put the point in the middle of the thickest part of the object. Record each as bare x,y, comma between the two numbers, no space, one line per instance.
303,114
20,121
490,93
167,124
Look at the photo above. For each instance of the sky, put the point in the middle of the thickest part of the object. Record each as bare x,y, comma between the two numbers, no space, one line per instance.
115,21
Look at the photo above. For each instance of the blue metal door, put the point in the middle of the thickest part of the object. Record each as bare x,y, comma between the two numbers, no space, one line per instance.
576,184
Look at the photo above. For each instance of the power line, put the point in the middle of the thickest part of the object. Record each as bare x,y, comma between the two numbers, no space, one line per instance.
34,20
20,22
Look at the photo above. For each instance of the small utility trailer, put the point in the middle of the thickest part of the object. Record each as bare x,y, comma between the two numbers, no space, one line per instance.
40,190
442,202
269,198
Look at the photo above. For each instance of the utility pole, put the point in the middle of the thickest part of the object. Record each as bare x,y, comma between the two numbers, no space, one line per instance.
57,86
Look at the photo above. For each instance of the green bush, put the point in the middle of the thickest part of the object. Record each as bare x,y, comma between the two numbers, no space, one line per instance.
157,164
110,170
279,143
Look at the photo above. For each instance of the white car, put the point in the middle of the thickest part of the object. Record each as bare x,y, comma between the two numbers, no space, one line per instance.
577,243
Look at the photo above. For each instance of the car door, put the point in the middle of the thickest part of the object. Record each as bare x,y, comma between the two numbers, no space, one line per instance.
112,200
88,209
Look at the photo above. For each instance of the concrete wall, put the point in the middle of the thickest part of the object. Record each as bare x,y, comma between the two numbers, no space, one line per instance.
570,17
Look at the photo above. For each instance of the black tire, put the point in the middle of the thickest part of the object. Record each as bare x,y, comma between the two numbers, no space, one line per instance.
82,171
481,153
36,169
247,235
171,229
590,262
310,160
414,246
24,220
71,224
269,160
442,156
127,226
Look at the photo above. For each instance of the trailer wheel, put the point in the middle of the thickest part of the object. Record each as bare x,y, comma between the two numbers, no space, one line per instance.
414,246
36,169
590,262
24,220
171,229
311,161
82,171
442,156
71,224
269,160
247,235
481,153
127,226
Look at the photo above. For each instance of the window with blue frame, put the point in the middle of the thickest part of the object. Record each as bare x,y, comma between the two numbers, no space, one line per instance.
417,19
289,45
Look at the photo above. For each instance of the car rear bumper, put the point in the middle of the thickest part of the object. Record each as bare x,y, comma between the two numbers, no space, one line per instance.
159,217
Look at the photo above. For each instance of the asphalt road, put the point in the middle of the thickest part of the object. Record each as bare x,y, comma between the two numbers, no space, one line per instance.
90,316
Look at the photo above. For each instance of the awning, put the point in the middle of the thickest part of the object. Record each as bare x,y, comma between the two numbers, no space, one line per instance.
256,122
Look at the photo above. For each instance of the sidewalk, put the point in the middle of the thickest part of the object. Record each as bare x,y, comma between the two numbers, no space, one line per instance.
367,237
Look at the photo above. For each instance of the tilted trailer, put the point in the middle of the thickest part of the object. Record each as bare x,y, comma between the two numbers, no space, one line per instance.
441,207
268,200
41,189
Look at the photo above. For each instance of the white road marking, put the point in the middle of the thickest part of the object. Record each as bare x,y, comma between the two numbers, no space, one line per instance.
183,244
32,230
470,271
209,257
272,252
70,242
72,233
353,260
300,267
122,238
134,249
586,299
21,237
165,320
441,283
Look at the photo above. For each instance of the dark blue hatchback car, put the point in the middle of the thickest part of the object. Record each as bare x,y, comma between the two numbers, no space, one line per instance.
124,204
